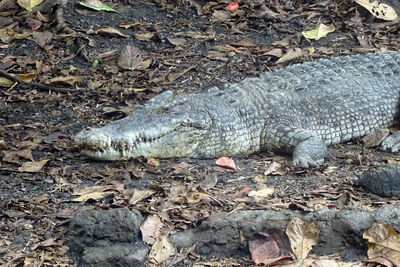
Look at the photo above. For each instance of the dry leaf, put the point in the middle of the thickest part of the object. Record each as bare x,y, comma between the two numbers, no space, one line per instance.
33,166
232,6
111,30
290,55
262,194
139,195
245,43
284,42
177,41
220,15
65,80
151,229
42,38
175,75
93,195
375,138
226,163
269,246
320,262
303,236
96,5
273,168
130,58
379,9
92,189
29,4
162,250
319,32
383,241
144,36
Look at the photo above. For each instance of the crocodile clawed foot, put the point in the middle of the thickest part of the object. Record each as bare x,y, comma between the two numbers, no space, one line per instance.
392,143
307,162
309,153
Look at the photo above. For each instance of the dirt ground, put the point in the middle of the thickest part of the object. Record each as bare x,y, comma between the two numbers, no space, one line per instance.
185,46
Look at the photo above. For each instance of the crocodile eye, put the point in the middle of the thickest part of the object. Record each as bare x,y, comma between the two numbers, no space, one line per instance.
160,111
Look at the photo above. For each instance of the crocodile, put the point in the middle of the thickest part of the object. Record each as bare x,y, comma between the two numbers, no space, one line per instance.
299,109
384,181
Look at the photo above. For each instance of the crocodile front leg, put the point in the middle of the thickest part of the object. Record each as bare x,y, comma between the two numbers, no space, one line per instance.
308,149
392,143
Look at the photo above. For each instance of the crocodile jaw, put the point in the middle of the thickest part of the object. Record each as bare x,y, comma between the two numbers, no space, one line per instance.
116,143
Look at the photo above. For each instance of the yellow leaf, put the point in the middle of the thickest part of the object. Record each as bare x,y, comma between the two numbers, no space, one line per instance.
319,32
303,236
5,82
379,10
29,4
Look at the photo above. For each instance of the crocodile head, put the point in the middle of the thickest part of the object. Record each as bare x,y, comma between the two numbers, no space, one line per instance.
167,126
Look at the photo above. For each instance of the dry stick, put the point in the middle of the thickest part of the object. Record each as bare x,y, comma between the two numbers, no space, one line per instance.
41,87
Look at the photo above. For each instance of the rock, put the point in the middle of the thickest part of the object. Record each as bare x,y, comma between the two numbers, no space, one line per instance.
341,231
107,238
114,256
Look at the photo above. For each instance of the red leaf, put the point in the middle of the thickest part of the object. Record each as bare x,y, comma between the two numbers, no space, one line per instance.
226,162
232,6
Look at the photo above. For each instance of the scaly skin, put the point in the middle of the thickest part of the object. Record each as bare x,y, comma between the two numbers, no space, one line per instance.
300,109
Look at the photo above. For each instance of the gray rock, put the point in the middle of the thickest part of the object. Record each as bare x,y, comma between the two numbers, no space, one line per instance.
341,231
107,238
114,256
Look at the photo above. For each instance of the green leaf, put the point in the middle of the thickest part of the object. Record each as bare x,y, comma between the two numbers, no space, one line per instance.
96,5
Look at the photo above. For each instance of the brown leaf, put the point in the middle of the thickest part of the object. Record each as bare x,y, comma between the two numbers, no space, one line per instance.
262,194
383,241
34,24
245,43
68,80
269,246
162,250
151,229
303,235
130,58
177,41
42,38
175,75
93,192
375,138
13,156
226,163
139,195
290,55
380,261
34,166
220,15
111,30
144,36
272,168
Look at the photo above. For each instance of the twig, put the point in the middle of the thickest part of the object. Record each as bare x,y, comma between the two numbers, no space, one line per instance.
41,87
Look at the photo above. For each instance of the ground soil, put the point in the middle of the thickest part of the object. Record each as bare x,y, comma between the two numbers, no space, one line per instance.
188,47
